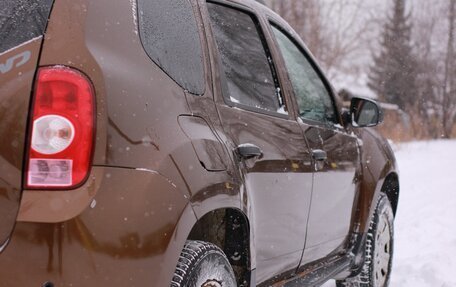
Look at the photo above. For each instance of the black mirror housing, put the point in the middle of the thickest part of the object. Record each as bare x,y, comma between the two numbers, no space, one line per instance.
365,113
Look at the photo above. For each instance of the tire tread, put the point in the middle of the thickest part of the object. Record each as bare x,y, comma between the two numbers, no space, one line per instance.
364,278
191,254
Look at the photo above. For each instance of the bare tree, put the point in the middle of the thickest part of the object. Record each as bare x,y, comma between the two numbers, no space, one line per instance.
344,35
393,75
426,115
339,33
449,83
305,18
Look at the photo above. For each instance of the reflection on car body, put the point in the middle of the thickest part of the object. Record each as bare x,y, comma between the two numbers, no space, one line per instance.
189,143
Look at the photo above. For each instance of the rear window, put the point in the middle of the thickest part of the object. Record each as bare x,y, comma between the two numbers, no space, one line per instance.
169,34
22,20
248,71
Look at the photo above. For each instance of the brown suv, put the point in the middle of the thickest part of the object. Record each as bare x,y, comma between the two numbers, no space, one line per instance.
182,143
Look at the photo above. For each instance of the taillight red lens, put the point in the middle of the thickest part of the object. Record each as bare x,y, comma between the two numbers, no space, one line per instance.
63,124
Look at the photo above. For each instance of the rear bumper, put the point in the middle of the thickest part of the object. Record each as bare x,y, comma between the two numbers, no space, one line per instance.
125,236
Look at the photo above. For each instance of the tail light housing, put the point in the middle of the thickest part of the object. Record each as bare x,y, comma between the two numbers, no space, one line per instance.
62,129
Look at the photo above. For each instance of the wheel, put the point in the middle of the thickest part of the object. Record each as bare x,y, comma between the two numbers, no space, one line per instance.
203,264
376,270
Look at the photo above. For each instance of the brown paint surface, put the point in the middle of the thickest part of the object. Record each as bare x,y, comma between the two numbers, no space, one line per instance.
164,158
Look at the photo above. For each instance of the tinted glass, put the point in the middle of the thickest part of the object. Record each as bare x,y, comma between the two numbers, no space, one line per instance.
313,98
248,73
22,20
169,33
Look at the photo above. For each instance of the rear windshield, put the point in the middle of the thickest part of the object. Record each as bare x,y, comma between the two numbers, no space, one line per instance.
22,20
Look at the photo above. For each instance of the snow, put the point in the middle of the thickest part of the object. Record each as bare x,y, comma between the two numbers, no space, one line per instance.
425,228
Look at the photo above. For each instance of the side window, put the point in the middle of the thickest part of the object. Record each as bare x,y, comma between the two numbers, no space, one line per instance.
248,75
313,98
169,34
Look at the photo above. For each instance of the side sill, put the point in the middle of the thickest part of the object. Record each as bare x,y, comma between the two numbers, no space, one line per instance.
320,272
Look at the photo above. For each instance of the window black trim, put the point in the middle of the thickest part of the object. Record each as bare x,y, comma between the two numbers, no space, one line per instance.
256,110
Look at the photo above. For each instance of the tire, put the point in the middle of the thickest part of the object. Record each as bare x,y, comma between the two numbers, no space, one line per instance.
203,264
376,270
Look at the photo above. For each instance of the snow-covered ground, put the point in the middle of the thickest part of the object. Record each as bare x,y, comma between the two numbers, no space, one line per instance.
425,247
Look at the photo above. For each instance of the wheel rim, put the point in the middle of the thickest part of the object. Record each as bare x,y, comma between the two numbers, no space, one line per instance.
212,283
382,252
213,271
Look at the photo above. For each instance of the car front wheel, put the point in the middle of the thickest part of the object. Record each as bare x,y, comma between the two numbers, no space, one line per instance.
202,264
376,270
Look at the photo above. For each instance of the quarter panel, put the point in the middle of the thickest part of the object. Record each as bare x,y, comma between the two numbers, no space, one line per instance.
65,44
130,235
137,103
210,151
376,166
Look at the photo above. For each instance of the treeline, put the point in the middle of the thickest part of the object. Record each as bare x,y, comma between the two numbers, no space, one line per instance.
400,52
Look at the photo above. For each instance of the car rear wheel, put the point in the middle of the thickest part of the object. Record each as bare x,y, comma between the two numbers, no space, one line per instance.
203,264
376,270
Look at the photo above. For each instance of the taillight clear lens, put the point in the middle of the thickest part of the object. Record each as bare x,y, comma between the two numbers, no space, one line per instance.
63,124
52,134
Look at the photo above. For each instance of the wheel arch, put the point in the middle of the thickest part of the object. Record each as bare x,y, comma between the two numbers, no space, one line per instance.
229,229
391,188
389,185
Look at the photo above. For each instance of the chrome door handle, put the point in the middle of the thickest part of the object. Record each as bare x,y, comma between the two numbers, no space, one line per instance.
319,155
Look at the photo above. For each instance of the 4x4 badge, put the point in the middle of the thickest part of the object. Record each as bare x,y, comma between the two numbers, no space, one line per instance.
19,59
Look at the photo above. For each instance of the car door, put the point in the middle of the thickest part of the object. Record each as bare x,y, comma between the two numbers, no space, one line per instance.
272,156
335,152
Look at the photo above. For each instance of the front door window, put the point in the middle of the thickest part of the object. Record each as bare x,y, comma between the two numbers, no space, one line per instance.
314,101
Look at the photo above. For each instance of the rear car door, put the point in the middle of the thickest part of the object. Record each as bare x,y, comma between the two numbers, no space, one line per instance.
22,24
253,112
335,152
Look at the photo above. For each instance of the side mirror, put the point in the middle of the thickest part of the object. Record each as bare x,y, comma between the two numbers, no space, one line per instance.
365,113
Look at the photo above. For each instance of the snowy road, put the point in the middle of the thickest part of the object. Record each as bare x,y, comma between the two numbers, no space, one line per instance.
425,247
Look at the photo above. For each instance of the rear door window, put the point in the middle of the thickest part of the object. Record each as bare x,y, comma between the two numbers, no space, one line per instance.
169,34
248,75
22,20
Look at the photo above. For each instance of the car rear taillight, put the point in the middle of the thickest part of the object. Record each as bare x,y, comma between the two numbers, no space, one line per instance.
62,129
